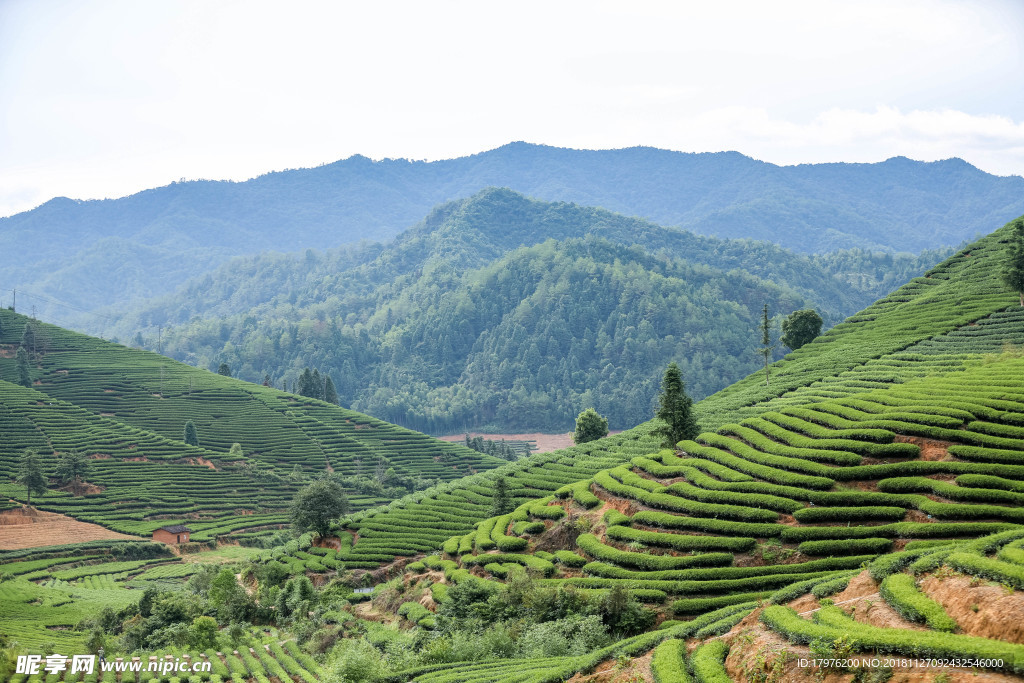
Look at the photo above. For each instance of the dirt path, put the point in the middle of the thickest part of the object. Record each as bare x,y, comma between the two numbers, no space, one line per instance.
34,528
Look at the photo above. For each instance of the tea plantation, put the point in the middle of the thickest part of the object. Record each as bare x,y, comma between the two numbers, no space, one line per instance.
894,442
767,510
957,313
126,410
864,510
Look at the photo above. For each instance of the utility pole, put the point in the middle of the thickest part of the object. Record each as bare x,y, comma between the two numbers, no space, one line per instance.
14,306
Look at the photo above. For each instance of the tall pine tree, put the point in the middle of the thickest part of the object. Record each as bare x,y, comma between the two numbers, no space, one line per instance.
501,503
24,375
191,436
767,346
30,475
675,409
330,393
73,468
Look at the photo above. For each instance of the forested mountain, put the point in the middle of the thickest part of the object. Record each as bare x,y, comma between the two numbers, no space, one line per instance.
88,254
505,311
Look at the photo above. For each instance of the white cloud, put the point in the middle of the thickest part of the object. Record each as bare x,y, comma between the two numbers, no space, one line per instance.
104,98
993,143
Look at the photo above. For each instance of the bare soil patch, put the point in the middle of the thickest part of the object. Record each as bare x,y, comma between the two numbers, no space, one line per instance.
759,654
609,671
931,449
979,607
20,528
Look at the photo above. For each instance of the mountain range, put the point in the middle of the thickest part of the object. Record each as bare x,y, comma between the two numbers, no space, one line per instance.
504,311
86,254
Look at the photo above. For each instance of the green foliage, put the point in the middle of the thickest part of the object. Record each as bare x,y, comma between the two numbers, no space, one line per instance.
1013,271
24,375
589,427
501,502
668,664
191,436
675,409
202,633
72,467
317,505
858,546
902,593
224,370
30,474
833,625
767,346
708,662
1005,572
801,327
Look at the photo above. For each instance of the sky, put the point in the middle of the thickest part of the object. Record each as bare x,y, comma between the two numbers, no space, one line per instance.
106,98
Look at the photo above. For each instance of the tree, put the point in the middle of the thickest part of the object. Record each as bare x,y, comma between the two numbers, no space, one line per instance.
224,369
305,383
191,436
28,338
801,327
202,634
330,393
235,452
317,386
30,475
1013,272
766,341
501,503
675,410
317,504
589,427
24,376
73,467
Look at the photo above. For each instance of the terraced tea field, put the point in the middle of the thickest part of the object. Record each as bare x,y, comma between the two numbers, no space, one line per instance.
958,314
957,311
126,410
792,502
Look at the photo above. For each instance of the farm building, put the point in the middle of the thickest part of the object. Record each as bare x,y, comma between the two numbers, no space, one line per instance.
177,533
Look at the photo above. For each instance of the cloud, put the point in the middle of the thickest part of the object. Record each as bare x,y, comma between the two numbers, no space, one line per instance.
992,143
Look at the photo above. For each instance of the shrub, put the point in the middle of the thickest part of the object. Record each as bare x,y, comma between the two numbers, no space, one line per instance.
667,664
975,565
833,624
702,605
708,662
847,514
902,593
593,547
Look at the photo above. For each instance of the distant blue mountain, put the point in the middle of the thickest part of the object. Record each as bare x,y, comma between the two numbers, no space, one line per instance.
92,253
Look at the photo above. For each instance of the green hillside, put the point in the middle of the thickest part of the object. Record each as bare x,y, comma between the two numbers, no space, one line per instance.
505,312
882,469
906,461
766,511
935,329
126,410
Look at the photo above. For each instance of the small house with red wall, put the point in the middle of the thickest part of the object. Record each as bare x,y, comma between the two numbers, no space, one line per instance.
176,533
